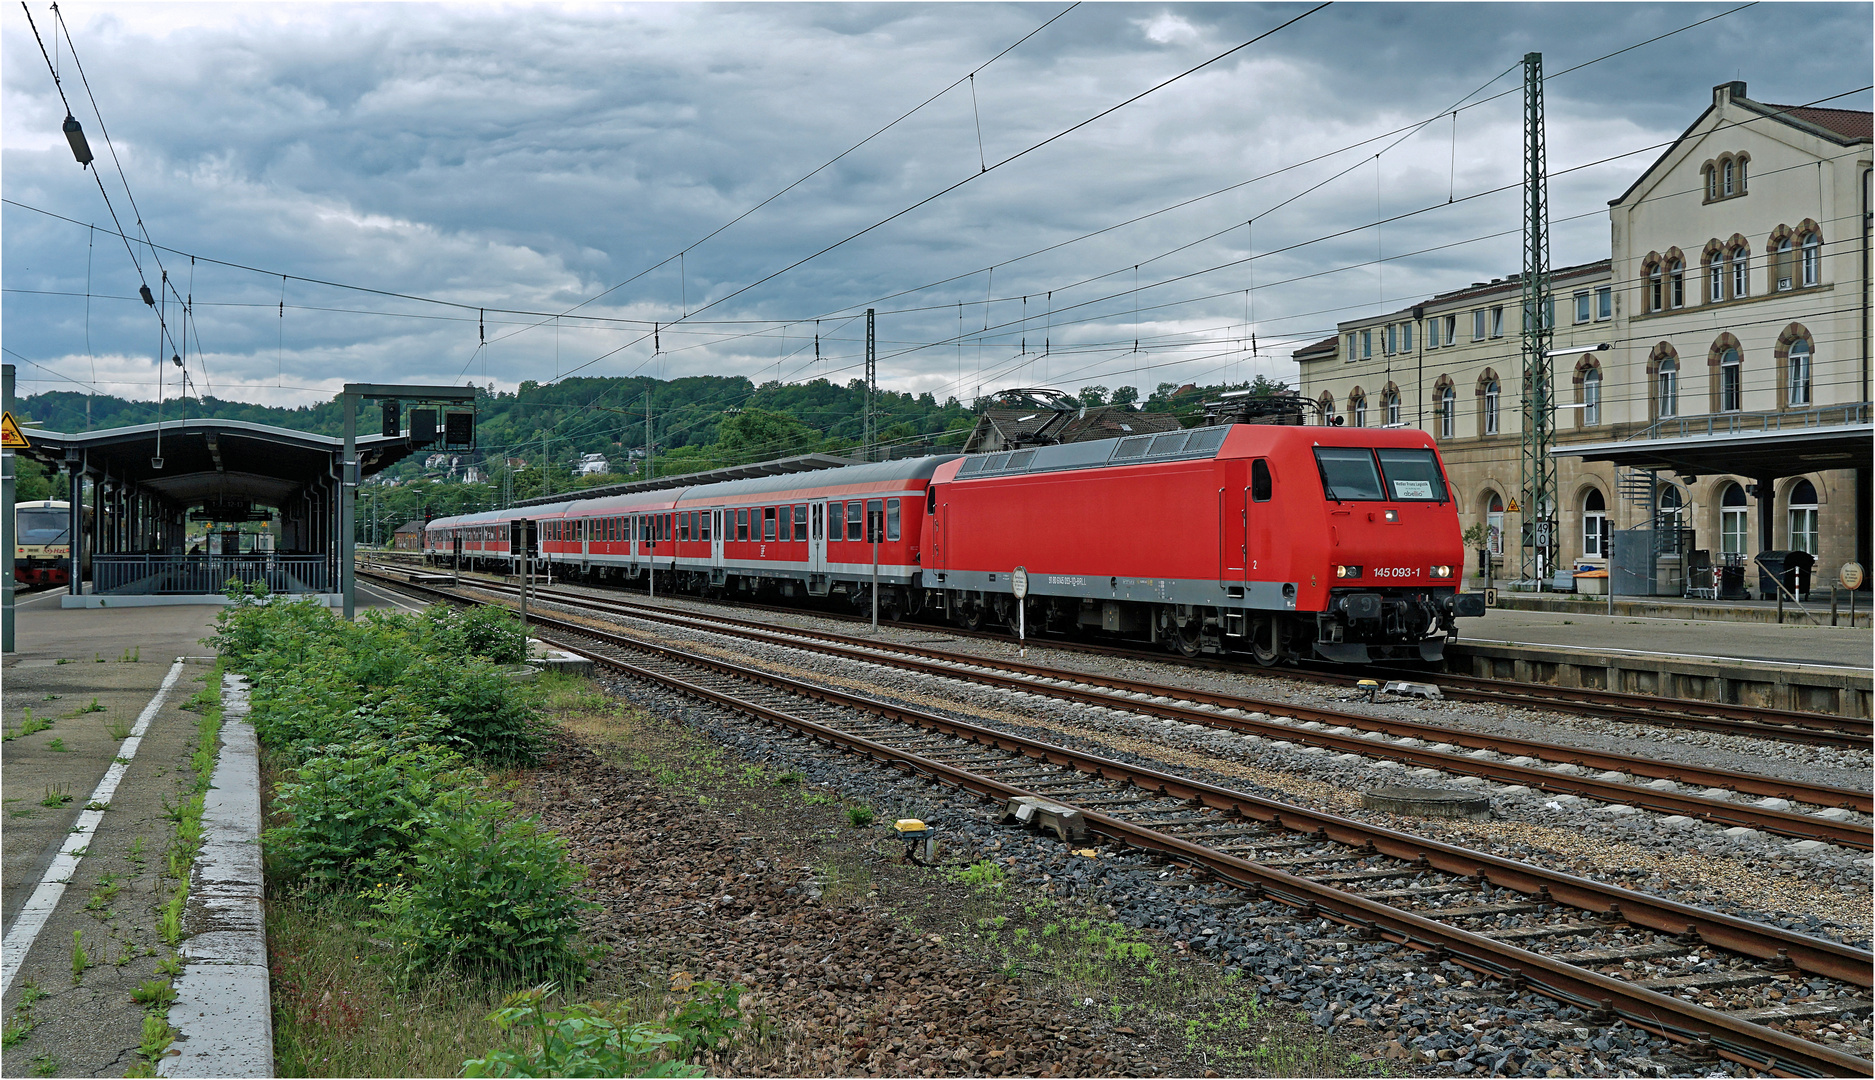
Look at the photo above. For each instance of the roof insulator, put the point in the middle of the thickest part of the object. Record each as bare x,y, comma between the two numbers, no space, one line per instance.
148,296
174,359
75,134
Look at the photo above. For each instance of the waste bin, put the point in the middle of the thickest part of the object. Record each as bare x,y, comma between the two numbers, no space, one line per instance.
1592,582
1732,582
1792,568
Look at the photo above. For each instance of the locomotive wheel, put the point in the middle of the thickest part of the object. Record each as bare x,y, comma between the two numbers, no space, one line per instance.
973,618
1263,643
1188,640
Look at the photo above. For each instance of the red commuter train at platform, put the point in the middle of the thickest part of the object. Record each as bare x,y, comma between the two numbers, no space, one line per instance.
1279,541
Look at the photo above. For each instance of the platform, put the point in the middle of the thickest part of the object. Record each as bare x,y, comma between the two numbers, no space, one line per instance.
1789,666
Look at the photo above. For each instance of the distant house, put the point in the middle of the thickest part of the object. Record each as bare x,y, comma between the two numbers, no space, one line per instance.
408,537
590,464
1001,429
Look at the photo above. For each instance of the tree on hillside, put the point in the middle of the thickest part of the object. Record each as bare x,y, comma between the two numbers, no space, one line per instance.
758,434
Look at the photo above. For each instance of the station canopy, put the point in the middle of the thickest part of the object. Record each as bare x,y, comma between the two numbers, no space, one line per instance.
1756,445
213,462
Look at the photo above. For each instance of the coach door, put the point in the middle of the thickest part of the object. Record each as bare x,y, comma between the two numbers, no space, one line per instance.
716,539
585,527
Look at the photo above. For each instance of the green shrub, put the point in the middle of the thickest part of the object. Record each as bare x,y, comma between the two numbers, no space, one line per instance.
488,715
356,811
488,631
486,890
580,1040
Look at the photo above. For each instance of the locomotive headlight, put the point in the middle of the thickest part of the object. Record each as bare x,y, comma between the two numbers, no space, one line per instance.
1442,571
1347,571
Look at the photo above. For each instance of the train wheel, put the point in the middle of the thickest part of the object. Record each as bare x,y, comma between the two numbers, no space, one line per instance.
973,618
1188,640
1263,642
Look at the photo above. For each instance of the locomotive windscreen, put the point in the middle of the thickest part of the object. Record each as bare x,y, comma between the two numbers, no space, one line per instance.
1412,475
1349,473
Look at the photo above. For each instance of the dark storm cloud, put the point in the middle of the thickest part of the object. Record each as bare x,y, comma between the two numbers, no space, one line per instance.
533,157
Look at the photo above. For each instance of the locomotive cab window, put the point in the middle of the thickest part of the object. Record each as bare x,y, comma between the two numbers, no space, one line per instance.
1260,487
1412,475
1348,473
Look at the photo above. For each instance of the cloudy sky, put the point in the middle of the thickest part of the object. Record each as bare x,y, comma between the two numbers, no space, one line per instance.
525,177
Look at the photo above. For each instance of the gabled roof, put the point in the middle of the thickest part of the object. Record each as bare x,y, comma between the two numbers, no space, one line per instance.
411,526
1327,346
1843,126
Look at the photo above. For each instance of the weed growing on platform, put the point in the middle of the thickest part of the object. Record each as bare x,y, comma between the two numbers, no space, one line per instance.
83,709
80,961
58,746
29,724
45,1065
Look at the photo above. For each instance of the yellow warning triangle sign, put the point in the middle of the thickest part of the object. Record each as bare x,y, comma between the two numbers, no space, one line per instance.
11,438
1514,508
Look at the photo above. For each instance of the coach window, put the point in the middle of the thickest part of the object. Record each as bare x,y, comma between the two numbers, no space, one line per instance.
1260,486
856,521
800,522
768,523
786,530
875,514
891,519
820,510
703,524
742,524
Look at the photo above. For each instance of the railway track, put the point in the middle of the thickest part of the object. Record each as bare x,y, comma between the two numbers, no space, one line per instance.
1816,729
1614,778
1519,926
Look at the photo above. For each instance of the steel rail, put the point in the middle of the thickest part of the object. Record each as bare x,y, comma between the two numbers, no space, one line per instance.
940,663
1817,955
1750,1044
1750,721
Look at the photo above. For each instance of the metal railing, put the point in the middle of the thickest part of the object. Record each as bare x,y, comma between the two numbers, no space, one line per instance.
1731,423
171,575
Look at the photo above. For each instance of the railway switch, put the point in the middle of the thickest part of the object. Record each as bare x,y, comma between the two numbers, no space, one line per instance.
1066,821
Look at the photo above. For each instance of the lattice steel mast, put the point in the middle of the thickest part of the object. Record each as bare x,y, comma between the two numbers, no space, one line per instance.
872,392
1539,411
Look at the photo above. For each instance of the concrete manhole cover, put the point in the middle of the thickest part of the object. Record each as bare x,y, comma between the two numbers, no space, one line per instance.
1428,802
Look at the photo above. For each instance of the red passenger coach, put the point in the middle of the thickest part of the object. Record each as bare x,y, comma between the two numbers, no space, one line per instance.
1282,541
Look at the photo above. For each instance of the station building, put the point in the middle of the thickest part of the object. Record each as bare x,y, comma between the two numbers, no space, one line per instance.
1734,300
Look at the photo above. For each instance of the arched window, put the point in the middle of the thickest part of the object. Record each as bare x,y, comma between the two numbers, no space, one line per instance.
1328,410
1740,263
1715,278
1592,397
1448,412
1392,400
1667,508
1798,384
1676,283
1494,524
1656,288
1812,259
1783,270
1803,517
1731,381
1594,524
1667,388
1712,183
1734,535
1492,391
1357,407
1727,185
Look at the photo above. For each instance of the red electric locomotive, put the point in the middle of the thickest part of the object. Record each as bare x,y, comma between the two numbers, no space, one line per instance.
1282,541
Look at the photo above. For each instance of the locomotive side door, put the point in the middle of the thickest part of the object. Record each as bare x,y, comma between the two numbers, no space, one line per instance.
1259,522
